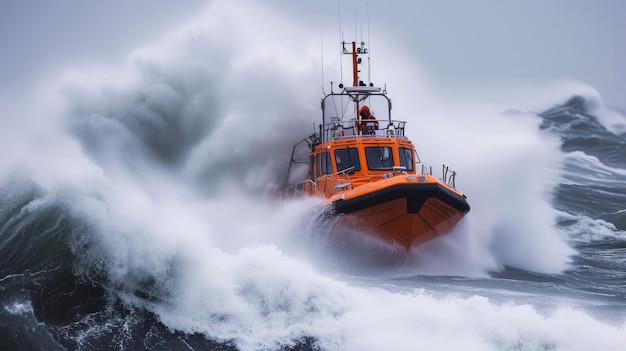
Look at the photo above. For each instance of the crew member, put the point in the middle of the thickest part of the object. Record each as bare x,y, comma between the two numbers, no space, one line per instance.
368,124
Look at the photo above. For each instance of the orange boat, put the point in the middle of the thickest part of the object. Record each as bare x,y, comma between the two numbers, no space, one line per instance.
367,169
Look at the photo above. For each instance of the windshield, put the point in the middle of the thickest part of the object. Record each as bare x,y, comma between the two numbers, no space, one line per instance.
406,158
346,158
380,157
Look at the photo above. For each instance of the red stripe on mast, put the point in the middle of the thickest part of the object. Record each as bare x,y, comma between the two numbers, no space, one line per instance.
355,71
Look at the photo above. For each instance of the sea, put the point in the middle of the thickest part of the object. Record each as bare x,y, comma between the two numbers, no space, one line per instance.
140,209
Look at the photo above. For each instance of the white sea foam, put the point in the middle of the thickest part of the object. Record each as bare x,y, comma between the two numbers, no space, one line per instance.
614,120
178,150
585,229
18,308
587,169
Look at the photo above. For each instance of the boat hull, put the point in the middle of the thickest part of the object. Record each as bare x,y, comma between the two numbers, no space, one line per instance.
404,214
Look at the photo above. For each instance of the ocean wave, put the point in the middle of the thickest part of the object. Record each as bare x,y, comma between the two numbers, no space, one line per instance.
138,210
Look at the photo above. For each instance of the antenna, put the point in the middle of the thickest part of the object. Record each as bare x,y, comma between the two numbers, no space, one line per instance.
322,54
355,26
369,67
340,40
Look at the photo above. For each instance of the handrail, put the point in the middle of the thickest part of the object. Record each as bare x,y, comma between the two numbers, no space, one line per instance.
311,140
449,179
336,130
345,172
298,188
427,170
448,176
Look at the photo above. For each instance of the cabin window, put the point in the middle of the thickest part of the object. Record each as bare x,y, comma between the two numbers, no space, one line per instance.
327,167
318,166
346,158
311,167
321,164
406,158
379,157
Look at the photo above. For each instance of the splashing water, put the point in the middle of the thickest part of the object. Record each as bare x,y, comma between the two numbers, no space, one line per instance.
164,170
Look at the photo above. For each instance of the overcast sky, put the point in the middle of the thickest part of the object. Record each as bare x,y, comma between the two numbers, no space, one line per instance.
463,43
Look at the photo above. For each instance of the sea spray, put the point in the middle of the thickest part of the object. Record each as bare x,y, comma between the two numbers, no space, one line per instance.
177,239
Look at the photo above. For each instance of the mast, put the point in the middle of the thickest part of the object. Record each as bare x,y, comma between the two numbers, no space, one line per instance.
355,69
356,61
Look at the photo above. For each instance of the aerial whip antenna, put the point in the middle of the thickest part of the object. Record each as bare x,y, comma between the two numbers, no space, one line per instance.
341,40
355,26
369,43
322,54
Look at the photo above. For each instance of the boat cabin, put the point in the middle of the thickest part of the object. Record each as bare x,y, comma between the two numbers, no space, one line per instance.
354,151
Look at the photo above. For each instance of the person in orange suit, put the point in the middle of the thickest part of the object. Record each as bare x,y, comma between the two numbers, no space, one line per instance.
368,124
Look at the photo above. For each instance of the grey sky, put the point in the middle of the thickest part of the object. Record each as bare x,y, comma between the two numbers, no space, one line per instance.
462,43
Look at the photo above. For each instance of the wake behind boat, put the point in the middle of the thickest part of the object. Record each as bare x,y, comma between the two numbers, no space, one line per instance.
367,169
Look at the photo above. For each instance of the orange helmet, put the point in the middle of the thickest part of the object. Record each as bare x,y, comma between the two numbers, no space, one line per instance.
364,110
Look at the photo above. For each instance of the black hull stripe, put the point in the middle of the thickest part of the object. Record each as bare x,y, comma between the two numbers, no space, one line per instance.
416,195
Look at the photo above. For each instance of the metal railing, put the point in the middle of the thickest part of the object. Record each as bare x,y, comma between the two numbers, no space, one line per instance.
298,189
448,176
347,129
